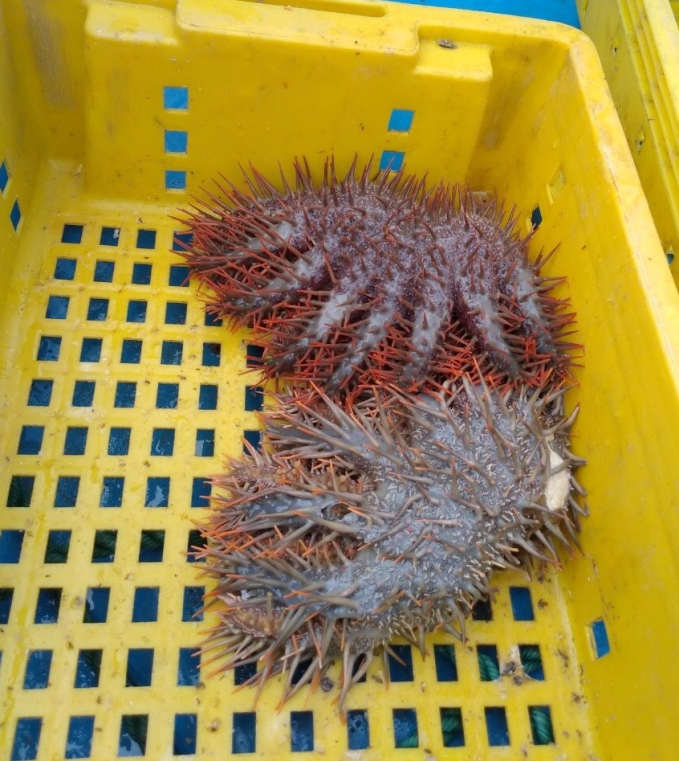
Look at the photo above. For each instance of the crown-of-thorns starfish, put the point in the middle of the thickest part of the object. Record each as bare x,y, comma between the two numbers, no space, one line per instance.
378,280
358,524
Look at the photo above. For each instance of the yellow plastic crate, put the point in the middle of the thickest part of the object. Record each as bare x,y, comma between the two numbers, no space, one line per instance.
638,43
109,374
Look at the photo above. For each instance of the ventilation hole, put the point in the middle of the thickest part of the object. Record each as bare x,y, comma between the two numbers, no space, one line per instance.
175,179
171,353
58,544
602,646
358,665
640,140
57,308
119,441
541,725
482,611
212,321
139,667
6,596
188,670
531,661
300,670
30,439
496,726
207,397
405,728
167,396
184,734
205,442
401,120
391,161
301,731
176,98
536,218
112,491
103,272
358,730
151,546
83,393
253,355
96,605
104,550
200,492
4,176
49,348
254,398
669,255
47,608
146,239
522,604
162,442
110,236
126,394
88,668
133,730
451,727
175,313
11,541
20,491
90,351
401,663
40,394
253,438
145,607
244,734
75,442
489,666
446,663
195,544
66,494
72,234
64,269
26,739
131,352
38,668
136,311
176,141
157,492
179,274
241,674
15,215
79,740
212,353
97,310
193,603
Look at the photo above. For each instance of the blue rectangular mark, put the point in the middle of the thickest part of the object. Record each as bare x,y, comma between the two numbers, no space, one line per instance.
188,668
141,273
175,313
401,120
175,179
452,730
171,353
11,541
58,544
30,439
244,732
176,98
192,604
49,348
167,396
207,397
602,645
254,398
88,669
157,492
103,272
133,731
6,596
522,604
40,394
185,731
358,730
136,311
26,739
119,441
76,440
391,161
64,269
38,667
97,311
83,393
146,239
446,663
47,608
139,671
66,494
57,308
79,739
176,141
401,663
301,731
96,605
212,354
406,734
4,176
20,491
162,442
496,726
151,546
104,550
15,215
90,351
179,274
200,492
205,442
110,236
72,234
145,607
131,352
112,491
126,394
